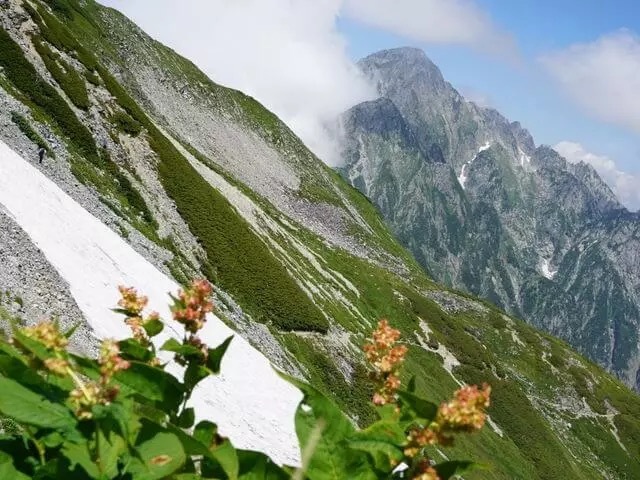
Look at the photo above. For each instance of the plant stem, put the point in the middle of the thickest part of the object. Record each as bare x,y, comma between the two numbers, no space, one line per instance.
309,449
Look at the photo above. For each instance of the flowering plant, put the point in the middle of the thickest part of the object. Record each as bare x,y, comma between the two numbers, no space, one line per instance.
122,416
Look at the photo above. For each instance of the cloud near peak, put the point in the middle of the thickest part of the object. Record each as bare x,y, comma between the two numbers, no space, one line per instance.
289,54
603,77
623,184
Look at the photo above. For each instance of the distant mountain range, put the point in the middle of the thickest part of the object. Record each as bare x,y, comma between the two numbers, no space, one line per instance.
487,211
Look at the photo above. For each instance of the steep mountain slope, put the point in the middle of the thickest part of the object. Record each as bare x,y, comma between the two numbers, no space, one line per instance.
202,180
485,210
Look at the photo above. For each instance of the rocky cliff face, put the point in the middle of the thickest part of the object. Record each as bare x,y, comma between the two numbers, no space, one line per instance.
485,210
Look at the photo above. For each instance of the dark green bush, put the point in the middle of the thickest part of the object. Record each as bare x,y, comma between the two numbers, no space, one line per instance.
497,321
92,78
132,195
24,77
26,128
125,123
58,35
64,74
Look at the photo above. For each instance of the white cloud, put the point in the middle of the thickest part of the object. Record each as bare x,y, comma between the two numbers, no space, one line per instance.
625,185
286,53
476,96
602,76
435,21
289,54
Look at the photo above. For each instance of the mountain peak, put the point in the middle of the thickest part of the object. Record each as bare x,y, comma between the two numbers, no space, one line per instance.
402,66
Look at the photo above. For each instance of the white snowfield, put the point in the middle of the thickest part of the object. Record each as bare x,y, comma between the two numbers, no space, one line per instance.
250,403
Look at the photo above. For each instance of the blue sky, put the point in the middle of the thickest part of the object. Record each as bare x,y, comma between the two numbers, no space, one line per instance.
522,90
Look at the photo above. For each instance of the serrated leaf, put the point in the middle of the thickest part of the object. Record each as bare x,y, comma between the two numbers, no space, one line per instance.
151,383
223,459
153,327
447,470
172,345
8,470
257,466
420,408
214,358
158,457
78,454
194,374
110,447
26,406
70,331
383,440
132,350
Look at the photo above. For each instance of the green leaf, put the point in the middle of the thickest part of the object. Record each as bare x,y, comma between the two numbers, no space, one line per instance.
447,470
257,466
384,441
223,459
187,418
132,350
172,345
205,432
69,332
25,406
192,446
214,358
158,457
53,440
411,386
12,367
331,458
110,447
36,348
194,374
8,470
419,408
153,327
78,454
151,383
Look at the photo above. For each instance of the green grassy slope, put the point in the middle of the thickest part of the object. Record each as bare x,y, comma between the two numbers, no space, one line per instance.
556,414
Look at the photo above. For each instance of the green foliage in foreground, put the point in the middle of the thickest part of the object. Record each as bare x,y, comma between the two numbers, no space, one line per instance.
124,417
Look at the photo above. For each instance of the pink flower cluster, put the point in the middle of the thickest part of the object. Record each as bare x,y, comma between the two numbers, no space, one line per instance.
464,413
386,358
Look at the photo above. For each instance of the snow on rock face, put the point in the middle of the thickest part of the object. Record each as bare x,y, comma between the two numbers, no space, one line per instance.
463,173
250,403
545,269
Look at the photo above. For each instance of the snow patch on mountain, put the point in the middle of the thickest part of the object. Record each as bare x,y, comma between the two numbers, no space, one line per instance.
545,269
250,403
463,177
524,158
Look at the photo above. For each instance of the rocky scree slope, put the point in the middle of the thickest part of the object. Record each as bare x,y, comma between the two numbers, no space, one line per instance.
486,211
202,180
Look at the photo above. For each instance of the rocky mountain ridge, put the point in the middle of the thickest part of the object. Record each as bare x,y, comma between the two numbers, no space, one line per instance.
485,210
